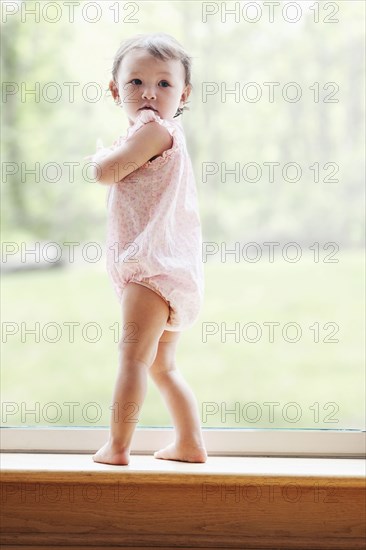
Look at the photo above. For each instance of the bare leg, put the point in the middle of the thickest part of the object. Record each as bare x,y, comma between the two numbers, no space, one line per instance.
145,315
182,405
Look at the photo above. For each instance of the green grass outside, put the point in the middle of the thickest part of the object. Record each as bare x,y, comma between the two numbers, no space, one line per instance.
221,374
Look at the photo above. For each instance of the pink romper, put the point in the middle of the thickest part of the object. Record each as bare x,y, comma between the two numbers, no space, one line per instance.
153,230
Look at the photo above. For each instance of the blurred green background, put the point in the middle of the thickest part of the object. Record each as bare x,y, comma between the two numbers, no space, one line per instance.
325,379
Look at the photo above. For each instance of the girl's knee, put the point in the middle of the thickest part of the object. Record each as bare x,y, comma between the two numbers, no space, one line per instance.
162,373
165,359
143,352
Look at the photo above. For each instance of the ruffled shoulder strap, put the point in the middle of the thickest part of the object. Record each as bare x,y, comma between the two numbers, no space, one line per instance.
148,115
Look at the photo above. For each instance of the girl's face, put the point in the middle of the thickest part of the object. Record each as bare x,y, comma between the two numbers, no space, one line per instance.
144,81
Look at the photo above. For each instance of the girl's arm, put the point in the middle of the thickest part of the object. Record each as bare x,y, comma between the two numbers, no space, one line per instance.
150,140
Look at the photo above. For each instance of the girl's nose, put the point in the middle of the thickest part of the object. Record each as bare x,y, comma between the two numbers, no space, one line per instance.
149,93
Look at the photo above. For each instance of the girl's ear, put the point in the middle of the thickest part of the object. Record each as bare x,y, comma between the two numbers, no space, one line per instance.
114,89
186,92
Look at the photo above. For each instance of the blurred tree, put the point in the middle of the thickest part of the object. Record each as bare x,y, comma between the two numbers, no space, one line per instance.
218,130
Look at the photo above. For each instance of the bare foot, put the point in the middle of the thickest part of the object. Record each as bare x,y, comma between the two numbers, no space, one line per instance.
112,454
183,453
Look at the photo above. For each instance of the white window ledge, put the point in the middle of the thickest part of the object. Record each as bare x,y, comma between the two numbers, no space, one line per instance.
219,442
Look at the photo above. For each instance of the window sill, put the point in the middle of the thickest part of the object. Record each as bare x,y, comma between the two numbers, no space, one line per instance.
230,502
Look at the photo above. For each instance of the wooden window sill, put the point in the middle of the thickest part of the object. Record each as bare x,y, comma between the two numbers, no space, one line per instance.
272,503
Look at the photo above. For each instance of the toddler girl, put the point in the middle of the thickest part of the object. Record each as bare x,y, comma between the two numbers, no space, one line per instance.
154,241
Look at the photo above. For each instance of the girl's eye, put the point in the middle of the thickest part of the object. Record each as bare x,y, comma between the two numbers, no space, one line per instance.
137,81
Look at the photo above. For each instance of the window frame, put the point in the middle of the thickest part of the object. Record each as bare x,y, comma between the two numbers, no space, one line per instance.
219,441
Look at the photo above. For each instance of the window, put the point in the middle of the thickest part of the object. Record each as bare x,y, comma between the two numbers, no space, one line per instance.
275,136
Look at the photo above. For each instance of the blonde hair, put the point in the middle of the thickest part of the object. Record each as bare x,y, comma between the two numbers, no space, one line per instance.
162,46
